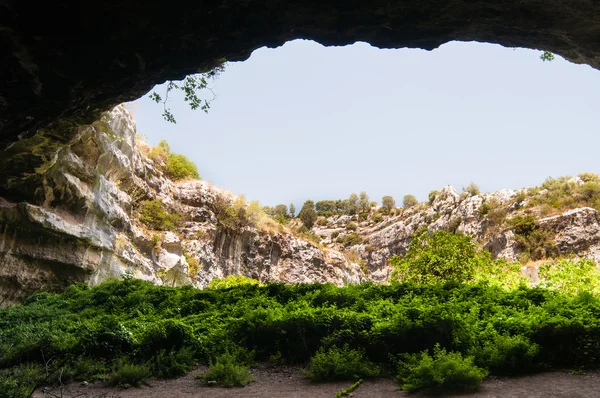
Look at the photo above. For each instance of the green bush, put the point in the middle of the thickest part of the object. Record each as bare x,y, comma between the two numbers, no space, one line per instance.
340,364
173,363
438,256
507,355
154,216
179,167
126,374
409,201
227,372
445,371
351,226
350,239
377,218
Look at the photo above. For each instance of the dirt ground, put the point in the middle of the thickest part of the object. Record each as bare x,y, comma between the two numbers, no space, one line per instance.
289,382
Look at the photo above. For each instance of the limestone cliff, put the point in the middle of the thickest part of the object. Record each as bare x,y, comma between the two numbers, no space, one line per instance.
73,218
70,202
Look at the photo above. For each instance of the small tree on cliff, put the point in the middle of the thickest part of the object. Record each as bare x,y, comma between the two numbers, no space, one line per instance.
387,204
308,214
292,210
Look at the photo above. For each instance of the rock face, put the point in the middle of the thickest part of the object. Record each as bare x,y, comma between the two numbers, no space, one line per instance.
71,59
575,232
74,215
73,219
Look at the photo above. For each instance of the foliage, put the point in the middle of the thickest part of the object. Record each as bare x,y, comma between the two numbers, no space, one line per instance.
352,205
164,331
387,204
154,216
534,242
340,364
472,189
231,281
307,214
237,213
179,167
547,56
292,210
571,277
432,196
409,201
227,372
350,239
191,87
125,375
446,371
438,256
364,204
565,193
351,226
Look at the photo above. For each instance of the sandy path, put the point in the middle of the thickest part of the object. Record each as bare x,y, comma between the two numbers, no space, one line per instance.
289,382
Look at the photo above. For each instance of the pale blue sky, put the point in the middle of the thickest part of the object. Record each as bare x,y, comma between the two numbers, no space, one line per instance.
305,121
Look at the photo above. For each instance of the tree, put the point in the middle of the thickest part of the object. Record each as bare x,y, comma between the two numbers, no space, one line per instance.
438,256
281,210
363,202
352,204
409,201
191,87
387,204
324,207
307,214
292,210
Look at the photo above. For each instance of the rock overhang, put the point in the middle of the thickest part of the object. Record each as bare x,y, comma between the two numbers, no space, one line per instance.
72,60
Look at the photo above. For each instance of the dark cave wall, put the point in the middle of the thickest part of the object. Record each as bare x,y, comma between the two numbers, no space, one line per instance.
68,59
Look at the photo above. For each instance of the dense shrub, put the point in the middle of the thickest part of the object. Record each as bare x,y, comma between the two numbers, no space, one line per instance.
534,242
446,371
438,256
350,239
161,331
227,372
154,216
351,226
179,167
125,375
340,364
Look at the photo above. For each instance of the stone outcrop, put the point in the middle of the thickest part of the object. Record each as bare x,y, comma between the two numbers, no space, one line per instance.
576,232
68,59
73,219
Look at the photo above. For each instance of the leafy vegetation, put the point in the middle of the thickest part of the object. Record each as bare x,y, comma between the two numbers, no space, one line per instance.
226,371
127,330
154,215
438,256
409,201
176,166
340,364
472,189
446,371
191,86
534,241
564,193
308,214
